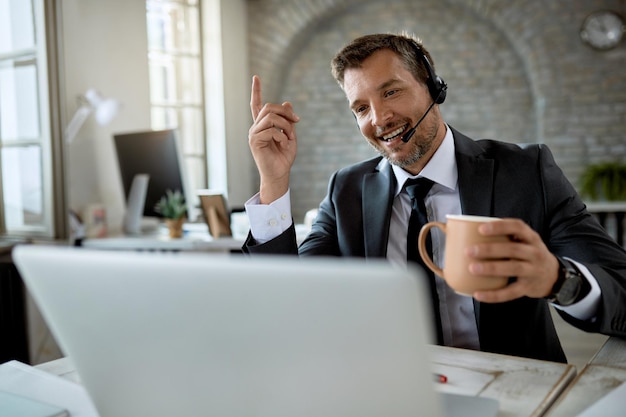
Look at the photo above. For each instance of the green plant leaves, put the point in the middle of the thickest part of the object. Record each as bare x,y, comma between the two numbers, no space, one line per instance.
171,205
604,181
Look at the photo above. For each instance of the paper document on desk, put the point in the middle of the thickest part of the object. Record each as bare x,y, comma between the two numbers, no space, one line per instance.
611,405
462,381
460,395
26,381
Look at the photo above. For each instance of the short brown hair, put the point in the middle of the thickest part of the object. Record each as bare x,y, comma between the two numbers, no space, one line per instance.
357,51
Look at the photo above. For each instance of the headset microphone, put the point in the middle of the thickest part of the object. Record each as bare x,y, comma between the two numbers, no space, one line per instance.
409,134
436,87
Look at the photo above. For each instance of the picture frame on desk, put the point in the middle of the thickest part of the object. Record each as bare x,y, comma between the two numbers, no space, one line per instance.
95,218
216,213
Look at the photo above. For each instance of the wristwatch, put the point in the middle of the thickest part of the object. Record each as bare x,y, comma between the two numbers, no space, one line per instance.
568,284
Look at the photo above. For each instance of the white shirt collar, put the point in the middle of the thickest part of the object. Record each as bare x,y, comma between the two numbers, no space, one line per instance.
441,168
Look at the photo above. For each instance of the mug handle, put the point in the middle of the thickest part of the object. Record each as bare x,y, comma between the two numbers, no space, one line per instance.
421,246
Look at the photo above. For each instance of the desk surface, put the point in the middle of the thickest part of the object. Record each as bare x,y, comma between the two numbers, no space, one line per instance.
165,243
523,387
604,372
196,237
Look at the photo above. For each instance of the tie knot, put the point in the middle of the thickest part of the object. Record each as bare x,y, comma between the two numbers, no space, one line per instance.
417,188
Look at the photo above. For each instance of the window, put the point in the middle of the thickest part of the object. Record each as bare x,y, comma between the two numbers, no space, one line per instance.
175,60
26,205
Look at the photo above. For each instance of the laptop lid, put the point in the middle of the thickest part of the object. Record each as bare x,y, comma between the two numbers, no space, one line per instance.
162,334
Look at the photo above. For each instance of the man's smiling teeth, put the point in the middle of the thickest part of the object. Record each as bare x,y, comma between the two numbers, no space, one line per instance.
393,134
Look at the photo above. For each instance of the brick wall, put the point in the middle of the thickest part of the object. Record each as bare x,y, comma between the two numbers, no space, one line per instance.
516,71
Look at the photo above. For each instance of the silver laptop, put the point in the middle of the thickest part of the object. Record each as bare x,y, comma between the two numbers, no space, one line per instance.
195,334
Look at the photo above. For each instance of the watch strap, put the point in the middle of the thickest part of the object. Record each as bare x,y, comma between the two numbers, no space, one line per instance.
568,270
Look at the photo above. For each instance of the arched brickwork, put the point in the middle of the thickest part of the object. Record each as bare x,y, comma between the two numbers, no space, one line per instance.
516,69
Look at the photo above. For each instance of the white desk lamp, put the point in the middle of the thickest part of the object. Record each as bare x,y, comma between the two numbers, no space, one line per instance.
92,101
105,110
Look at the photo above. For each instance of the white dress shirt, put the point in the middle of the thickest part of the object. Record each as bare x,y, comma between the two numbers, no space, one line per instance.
457,311
458,323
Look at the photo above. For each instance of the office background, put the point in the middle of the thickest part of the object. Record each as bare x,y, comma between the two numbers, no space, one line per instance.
517,71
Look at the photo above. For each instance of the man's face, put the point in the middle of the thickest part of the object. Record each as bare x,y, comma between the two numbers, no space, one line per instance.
387,101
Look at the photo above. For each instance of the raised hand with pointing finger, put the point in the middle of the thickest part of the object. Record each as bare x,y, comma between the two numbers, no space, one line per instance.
273,142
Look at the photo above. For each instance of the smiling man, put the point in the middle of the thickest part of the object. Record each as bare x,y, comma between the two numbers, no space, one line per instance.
558,253
384,108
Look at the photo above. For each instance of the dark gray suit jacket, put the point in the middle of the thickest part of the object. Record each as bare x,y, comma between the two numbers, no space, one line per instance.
495,179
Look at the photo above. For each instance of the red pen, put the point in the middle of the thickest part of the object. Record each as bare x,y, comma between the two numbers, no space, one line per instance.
442,379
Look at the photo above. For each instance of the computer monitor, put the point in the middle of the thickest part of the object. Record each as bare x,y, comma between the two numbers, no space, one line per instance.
157,154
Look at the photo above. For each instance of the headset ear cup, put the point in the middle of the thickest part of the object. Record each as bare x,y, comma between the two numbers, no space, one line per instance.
437,87
440,90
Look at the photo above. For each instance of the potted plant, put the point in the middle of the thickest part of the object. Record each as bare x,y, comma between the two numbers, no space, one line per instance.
604,181
172,207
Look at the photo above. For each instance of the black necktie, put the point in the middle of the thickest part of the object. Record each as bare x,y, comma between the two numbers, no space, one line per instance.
417,189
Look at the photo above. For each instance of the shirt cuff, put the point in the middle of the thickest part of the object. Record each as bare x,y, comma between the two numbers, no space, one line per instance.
585,309
268,221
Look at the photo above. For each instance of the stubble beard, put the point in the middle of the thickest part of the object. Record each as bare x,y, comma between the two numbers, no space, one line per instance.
420,146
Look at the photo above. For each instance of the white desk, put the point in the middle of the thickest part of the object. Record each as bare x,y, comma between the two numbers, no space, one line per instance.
164,243
196,238
523,387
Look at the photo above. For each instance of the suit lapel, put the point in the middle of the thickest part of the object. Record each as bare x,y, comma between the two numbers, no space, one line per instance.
476,181
378,190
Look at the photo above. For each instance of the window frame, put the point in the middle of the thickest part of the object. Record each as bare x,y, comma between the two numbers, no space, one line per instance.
53,196
194,153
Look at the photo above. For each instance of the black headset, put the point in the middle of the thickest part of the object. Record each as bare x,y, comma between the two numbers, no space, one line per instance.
437,87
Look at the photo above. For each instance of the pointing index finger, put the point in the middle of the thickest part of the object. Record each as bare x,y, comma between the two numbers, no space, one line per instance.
256,102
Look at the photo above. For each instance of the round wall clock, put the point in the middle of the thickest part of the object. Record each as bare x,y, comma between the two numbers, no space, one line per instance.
603,29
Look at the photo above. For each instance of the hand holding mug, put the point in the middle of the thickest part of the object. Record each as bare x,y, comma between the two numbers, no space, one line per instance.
461,232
